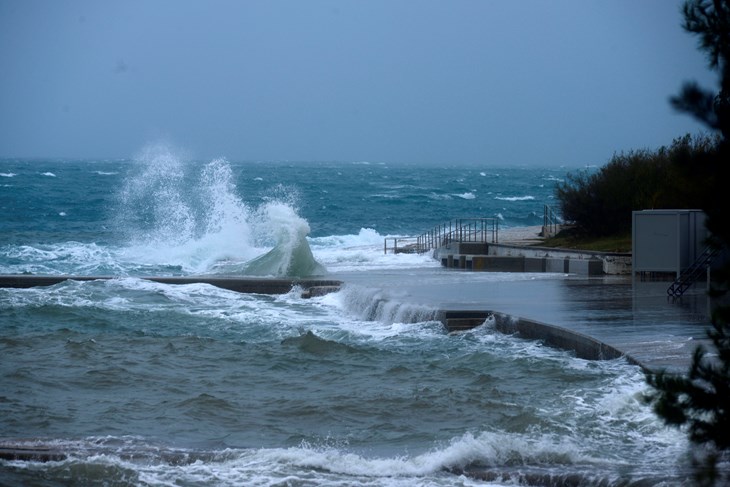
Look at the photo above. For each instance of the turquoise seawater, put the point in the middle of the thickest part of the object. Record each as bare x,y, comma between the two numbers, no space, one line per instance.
150,384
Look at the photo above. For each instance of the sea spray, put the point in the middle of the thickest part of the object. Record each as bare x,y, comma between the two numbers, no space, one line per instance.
291,255
194,220
152,207
370,304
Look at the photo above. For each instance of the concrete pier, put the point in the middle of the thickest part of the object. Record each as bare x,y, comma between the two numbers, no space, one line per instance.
493,257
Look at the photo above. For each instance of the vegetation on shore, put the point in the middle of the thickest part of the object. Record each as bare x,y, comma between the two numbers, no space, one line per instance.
568,238
699,401
599,204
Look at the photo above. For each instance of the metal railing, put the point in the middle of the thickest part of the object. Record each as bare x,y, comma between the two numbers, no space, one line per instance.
693,273
401,245
459,230
477,230
550,222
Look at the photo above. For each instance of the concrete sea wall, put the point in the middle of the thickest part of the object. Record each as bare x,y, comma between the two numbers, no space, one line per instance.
584,346
519,258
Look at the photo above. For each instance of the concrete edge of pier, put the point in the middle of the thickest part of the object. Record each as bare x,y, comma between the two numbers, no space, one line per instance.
310,287
584,346
495,257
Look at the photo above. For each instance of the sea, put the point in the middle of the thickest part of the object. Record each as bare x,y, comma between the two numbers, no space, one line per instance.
143,383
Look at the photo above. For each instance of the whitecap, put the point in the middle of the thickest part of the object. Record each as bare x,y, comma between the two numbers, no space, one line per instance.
553,178
514,198
49,174
7,174
466,196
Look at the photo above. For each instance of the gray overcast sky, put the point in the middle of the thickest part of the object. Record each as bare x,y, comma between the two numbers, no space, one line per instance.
487,82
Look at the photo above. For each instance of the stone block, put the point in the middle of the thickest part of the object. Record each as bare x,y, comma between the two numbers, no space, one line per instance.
535,264
586,267
506,264
479,263
556,265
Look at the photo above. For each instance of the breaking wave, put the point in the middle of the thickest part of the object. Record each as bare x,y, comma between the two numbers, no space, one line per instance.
175,213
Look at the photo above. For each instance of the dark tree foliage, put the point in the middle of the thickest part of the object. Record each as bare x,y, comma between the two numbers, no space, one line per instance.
710,21
694,398
700,400
600,203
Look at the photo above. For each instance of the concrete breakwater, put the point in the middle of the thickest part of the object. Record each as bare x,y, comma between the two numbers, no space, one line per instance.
310,287
495,257
584,346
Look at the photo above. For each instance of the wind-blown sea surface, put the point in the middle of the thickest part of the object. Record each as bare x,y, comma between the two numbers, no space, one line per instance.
142,383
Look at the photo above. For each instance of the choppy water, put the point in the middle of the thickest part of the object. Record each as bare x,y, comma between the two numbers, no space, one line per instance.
150,384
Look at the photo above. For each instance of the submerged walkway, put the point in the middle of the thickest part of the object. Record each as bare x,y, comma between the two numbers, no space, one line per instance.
632,316
628,315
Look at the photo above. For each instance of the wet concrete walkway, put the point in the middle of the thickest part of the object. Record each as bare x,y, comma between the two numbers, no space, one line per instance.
636,317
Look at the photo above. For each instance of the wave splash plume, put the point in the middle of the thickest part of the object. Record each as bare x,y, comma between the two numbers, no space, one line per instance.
191,218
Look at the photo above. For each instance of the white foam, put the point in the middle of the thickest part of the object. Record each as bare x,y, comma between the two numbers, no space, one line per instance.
366,237
335,465
63,258
369,259
363,252
181,216
553,178
373,304
439,197
7,174
514,198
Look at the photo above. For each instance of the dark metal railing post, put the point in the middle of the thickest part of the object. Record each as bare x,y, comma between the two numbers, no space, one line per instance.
456,230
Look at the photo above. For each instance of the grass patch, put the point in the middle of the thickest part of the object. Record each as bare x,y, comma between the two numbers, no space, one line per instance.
568,239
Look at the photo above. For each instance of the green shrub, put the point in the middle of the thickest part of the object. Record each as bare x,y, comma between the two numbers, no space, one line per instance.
600,203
